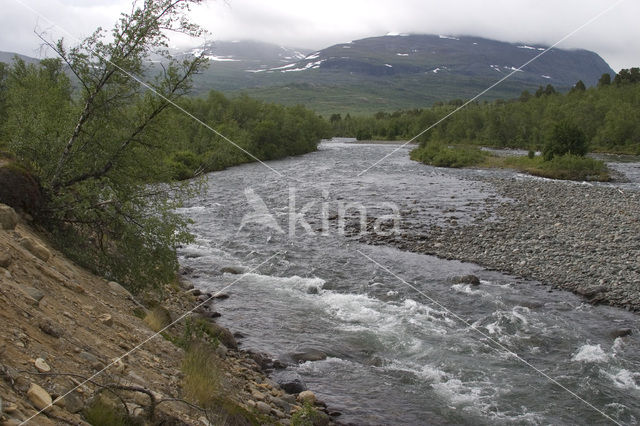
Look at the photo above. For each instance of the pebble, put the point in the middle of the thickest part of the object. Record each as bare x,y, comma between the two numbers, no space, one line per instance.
561,237
41,365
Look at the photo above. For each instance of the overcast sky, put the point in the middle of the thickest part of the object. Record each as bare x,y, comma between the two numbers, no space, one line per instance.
317,24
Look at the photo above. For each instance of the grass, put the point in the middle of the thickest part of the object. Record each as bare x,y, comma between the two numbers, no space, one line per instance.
203,384
566,167
202,375
442,155
157,318
307,416
102,411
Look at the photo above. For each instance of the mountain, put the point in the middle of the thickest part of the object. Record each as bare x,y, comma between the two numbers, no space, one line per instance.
399,71
249,54
7,57
394,71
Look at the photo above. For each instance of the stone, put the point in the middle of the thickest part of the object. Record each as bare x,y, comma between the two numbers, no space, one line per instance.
221,296
41,365
34,293
118,289
8,218
621,332
313,290
48,328
73,403
106,319
308,397
290,382
9,407
282,404
39,397
591,291
93,361
36,249
467,279
235,270
263,407
221,350
309,354
5,259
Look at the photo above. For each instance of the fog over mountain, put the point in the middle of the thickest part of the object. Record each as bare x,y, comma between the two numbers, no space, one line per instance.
615,35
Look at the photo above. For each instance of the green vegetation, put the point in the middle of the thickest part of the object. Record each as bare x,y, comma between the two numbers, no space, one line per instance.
157,318
566,138
566,167
106,411
99,143
441,155
202,375
307,416
608,115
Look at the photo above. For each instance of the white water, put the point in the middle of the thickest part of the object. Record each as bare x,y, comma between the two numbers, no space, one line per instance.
394,356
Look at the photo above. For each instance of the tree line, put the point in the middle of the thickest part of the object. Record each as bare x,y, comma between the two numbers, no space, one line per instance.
608,114
109,151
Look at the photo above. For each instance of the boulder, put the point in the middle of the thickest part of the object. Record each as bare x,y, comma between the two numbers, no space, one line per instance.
235,270
5,259
290,382
308,397
36,249
467,279
8,218
263,407
19,189
621,332
309,354
224,336
39,397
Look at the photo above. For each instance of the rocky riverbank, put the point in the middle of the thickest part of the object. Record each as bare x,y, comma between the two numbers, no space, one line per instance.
576,237
63,333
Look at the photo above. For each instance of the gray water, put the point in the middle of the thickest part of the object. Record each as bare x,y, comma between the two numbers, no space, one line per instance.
395,356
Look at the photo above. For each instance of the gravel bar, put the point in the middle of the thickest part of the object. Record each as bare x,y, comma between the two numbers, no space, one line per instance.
578,237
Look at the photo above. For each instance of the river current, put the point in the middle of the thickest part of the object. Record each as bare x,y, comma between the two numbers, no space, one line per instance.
404,344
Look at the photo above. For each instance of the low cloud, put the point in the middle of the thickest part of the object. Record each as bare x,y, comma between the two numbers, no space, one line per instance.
615,36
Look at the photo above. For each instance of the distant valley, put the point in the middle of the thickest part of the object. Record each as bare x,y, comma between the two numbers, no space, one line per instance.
387,73
391,72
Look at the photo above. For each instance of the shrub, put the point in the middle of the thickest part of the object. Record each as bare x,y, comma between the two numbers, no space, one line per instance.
440,155
202,375
566,138
566,167
308,416
157,318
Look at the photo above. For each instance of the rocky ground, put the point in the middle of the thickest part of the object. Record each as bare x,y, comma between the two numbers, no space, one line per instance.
577,237
61,325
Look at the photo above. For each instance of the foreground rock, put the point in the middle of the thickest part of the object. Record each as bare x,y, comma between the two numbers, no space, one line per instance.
61,324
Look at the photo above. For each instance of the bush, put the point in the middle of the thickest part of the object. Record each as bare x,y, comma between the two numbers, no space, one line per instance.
157,318
565,167
202,375
308,416
566,138
440,155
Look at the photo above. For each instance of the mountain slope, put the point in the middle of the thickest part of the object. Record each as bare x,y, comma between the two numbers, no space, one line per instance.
400,71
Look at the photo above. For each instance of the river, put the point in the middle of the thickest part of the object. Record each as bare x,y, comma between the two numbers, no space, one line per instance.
405,344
